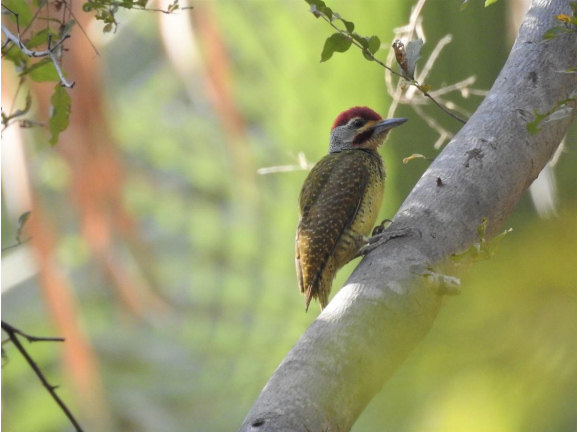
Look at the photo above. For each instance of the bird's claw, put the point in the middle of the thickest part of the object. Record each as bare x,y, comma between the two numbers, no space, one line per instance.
380,239
380,228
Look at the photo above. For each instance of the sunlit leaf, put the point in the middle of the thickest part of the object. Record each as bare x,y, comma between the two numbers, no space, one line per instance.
415,156
42,71
489,2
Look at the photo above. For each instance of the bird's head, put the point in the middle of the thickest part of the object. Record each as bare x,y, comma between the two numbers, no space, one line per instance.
360,128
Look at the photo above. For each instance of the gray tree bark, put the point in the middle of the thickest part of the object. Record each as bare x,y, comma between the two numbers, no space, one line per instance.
388,304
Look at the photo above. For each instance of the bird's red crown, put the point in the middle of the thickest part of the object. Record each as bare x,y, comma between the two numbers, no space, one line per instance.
362,112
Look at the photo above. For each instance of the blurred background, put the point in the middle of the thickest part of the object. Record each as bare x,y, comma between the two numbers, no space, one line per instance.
163,225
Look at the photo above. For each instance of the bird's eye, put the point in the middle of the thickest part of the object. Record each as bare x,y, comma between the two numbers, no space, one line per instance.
358,123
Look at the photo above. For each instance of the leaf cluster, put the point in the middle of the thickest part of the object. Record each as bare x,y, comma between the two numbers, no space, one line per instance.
35,56
106,10
345,36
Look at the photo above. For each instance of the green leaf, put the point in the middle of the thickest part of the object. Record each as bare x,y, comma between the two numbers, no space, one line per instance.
337,42
21,8
41,38
554,32
316,7
374,44
489,2
60,113
328,12
349,25
42,71
361,39
17,57
91,5
464,5
533,127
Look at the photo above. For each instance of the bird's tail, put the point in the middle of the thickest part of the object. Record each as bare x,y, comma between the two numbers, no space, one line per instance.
322,298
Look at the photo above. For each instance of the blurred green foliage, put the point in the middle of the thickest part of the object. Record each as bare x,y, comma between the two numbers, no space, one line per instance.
501,356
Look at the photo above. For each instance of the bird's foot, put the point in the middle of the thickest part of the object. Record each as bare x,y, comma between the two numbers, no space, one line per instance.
381,238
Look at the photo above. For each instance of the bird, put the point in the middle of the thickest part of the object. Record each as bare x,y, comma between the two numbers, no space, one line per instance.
340,200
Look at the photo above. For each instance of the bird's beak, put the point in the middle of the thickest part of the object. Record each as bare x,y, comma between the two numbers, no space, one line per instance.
386,125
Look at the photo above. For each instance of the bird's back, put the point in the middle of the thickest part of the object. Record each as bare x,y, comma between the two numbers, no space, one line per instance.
338,206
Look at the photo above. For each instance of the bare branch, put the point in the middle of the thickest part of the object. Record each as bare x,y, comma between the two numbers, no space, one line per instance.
12,333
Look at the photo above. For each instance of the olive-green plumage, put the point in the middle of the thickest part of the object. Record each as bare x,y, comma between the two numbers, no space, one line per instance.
340,201
349,187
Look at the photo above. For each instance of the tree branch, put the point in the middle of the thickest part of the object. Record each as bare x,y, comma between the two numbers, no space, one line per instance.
45,53
12,333
389,303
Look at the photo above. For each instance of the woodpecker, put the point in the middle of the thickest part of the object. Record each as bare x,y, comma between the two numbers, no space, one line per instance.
340,200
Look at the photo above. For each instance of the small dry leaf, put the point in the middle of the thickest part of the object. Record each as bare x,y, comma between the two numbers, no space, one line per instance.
416,156
401,55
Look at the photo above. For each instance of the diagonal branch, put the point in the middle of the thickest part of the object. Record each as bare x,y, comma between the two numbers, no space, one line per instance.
13,333
390,301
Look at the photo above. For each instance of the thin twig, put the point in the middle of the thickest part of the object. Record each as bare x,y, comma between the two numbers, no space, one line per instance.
12,333
81,29
7,327
455,116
